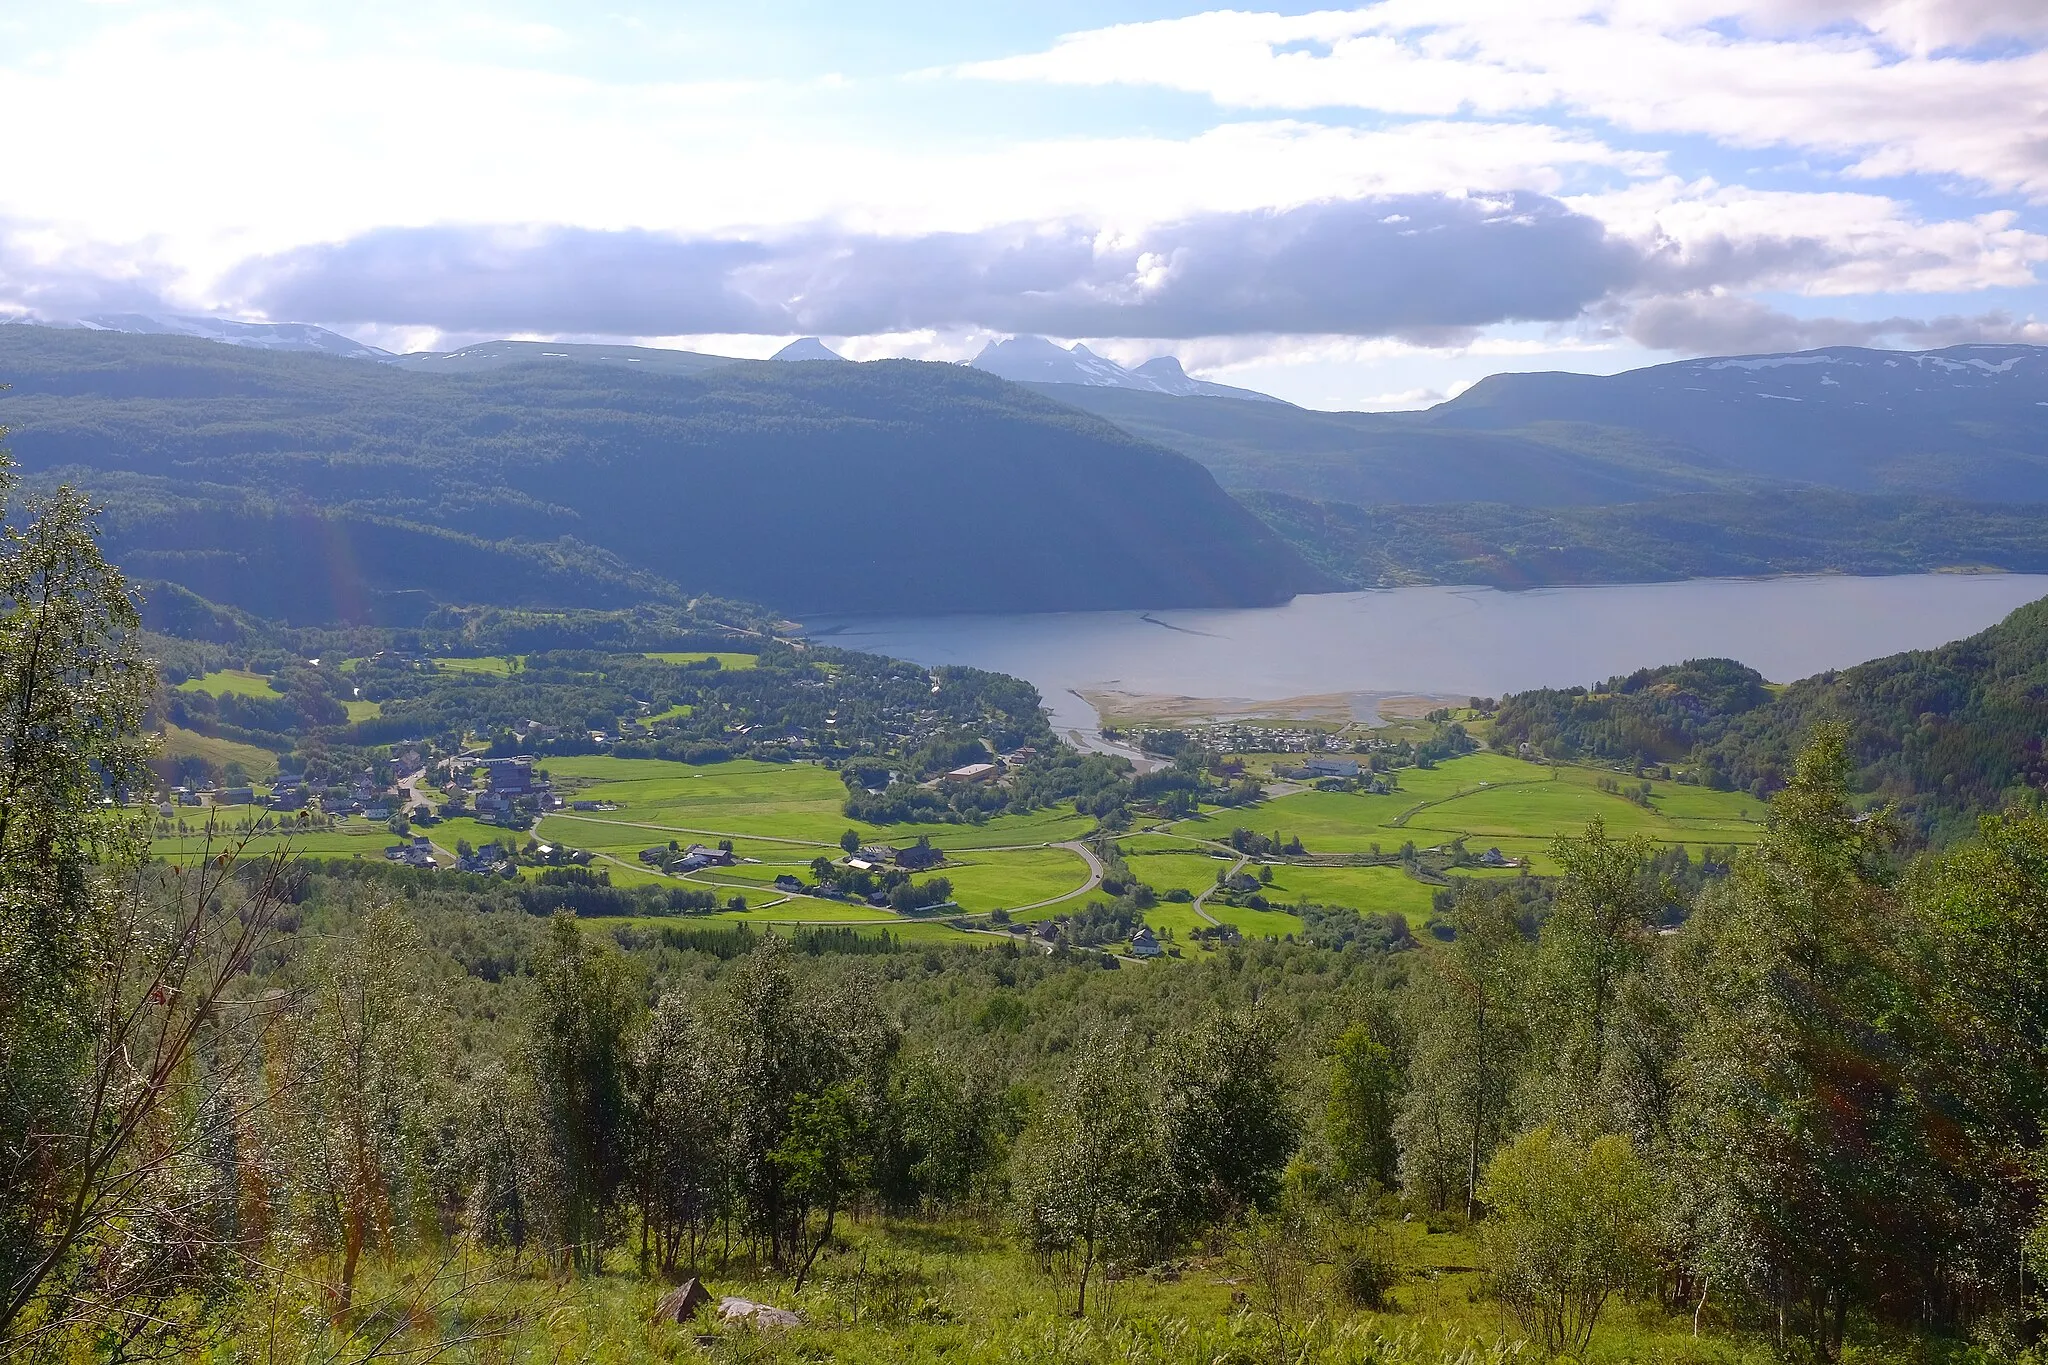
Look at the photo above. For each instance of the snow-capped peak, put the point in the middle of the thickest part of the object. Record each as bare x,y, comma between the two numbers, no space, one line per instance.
1035,360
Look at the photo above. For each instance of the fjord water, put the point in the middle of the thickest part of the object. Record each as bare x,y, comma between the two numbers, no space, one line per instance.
1452,641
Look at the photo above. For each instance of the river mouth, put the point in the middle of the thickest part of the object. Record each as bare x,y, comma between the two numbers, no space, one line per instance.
1335,653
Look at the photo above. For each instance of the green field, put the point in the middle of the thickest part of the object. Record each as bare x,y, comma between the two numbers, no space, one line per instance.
234,682
178,742
688,657
355,838
1493,801
1006,880
1371,890
1489,800
779,816
496,668
797,803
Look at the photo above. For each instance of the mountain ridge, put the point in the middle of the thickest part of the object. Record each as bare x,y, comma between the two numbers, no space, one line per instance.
895,486
1036,360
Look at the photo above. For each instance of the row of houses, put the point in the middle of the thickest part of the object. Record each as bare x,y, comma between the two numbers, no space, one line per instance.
679,861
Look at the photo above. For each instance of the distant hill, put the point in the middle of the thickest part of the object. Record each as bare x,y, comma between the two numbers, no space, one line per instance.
1944,734
1969,422
263,336
496,355
1689,535
1035,360
293,484
807,348
1374,457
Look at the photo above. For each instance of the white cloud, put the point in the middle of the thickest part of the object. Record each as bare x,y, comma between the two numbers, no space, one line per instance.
1641,66
1814,242
175,145
1721,325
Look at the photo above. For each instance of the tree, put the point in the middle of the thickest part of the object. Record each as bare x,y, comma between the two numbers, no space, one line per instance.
1796,1111
587,1011
823,1162
680,1171
126,1063
1597,934
1564,1231
780,1046
362,1068
1090,1172
850,842
1469,1041
500,1134
1365,1097
947,1127
1229,1128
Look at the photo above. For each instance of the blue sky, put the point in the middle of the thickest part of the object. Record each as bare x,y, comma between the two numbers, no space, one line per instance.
1364,207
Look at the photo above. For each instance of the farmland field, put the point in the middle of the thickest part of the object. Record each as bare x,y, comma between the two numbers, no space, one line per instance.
795,803
695,657
179,742
779,816
499,667
234,682
355,838
1493,801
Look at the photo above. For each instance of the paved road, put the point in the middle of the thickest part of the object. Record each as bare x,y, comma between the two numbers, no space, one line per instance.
1202,909
1094,875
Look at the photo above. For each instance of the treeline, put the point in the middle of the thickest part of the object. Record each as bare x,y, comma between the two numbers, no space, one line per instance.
1945,735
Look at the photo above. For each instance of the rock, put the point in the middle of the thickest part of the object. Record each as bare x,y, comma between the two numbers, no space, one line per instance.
681,1303
746,1311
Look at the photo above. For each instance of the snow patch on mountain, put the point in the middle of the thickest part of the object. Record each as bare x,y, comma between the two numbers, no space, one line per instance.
1035,360
264,336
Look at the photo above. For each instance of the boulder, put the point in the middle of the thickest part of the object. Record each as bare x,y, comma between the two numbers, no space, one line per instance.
746,1312
681,1303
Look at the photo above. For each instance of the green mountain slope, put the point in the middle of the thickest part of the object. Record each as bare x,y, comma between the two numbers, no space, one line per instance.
1946,734
1692,535
894,486
1376,457
1969,422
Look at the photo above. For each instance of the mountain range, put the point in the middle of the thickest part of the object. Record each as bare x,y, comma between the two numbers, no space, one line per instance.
1968,422
1834,460
1034,360
1020,358
309,487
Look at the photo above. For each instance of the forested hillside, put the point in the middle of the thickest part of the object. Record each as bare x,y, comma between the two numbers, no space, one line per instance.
312,488
1691,535
1946,735
1969,422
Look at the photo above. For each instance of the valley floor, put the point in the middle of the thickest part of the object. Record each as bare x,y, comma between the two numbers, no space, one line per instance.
779,817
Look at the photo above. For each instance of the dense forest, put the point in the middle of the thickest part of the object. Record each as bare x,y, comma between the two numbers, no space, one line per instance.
320,489
1695,535
258,1109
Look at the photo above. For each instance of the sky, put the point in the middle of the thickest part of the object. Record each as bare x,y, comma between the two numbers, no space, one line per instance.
1349,208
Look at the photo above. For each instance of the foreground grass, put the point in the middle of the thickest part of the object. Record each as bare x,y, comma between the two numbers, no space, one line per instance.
915,1291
